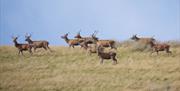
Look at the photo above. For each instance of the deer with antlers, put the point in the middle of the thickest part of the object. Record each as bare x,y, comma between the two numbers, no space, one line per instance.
86,40
21,47
72,42
104,43
37,44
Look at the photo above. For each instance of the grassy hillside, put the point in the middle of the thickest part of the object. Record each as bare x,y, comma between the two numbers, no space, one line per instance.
68,69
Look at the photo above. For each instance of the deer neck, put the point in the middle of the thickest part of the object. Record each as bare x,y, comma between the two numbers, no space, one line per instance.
99,52
136,39
67,40
16,44
152,44
30,41
80,37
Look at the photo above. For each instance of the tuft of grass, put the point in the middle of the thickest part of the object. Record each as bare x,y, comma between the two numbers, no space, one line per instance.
68,69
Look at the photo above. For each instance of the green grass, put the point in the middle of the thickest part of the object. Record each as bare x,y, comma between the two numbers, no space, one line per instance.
68,69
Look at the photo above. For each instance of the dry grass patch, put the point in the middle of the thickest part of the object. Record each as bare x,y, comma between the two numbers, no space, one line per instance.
68,69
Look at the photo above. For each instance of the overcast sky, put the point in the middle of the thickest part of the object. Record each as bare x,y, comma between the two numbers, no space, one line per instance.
114,19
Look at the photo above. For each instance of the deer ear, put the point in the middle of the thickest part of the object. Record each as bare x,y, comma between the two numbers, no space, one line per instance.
79,31
66,34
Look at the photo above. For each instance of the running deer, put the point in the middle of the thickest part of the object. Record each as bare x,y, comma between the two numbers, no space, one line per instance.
146,41
37,44
106,55
71,42
87,40
22,47
160,47
104,43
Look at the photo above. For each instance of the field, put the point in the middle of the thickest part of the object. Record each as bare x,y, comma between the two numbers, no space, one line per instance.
68,69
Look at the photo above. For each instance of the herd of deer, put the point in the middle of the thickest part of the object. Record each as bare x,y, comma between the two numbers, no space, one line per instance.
31,44
92,44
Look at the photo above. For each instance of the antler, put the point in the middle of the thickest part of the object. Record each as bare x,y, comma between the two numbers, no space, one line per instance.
79,31
13,37
27,35
67,34
95,33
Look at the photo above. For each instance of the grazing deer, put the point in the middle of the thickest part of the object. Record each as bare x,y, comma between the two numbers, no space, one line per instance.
71,42
160,47
146,41
37,44
106,55
22,47
104,43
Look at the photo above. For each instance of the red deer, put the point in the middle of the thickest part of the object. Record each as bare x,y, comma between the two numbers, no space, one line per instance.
92,48
146,41
71,42
106,55
160,47
104,43
87,40
37,44
22,47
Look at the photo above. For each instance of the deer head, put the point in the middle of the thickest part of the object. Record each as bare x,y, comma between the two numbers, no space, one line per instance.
65,36
27,37
14,38
134,37
94,35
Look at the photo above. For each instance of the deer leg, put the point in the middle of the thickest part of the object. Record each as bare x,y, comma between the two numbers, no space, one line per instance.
101,61
113,46
152,52
81,46
30,51
49,48
89,52
19,52
44,48
69,46
157,52
114,60
34,49
167,51
110,46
